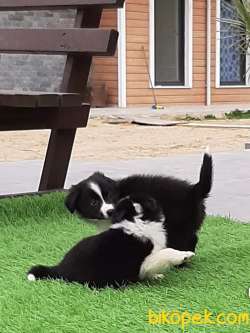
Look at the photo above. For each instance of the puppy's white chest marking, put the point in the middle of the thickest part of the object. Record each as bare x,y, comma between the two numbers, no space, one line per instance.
145,230
105,206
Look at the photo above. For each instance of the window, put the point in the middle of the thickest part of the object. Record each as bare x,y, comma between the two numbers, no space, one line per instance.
232,59
171,47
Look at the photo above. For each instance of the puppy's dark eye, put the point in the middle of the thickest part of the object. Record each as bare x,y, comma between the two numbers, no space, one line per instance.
94,203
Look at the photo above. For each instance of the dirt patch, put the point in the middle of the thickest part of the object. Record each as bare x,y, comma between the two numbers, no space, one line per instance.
102,141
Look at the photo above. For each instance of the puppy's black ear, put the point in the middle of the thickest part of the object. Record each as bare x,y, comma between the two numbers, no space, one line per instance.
102,176
110,180
71,199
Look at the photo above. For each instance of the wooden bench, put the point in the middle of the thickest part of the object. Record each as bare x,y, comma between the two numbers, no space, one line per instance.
62,112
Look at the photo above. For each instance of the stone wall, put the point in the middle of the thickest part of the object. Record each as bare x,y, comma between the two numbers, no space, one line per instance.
33,72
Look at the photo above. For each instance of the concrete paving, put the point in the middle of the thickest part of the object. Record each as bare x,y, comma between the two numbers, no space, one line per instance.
230,196
173,110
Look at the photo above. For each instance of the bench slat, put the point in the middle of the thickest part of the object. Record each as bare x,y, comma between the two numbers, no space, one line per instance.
13,119
57,4
22,99
59,41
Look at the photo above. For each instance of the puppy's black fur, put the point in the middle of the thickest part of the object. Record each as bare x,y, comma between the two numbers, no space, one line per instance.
183,203
111,258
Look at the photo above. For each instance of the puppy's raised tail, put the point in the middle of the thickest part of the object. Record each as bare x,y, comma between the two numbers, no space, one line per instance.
41,272
203,187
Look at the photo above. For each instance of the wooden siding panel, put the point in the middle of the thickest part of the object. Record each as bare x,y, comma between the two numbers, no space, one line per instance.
105,70
138,91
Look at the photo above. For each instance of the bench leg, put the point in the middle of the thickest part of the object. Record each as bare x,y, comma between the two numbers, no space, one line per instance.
57,159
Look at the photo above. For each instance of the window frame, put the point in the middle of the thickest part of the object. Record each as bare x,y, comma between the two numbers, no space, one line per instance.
188,47
218,39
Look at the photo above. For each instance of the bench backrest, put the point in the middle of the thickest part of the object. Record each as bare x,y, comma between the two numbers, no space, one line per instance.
80,43
57,4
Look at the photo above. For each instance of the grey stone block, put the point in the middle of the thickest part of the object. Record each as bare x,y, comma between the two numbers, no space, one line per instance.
18,16
33,72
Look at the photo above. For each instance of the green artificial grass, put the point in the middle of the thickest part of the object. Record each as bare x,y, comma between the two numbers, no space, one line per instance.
40,230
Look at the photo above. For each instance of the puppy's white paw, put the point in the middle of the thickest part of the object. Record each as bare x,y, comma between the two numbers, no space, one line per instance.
179,257
31,277
158,277
188,255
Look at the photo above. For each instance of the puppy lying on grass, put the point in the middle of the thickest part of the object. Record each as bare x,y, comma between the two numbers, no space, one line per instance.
133,249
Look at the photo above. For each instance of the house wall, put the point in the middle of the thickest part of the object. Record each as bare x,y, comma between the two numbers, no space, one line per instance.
138,91
224,95
105,69
44,72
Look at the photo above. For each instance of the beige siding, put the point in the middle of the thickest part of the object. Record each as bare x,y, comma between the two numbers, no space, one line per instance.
138,92
105,70
224,95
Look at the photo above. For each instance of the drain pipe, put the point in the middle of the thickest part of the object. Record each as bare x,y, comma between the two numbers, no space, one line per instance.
208,84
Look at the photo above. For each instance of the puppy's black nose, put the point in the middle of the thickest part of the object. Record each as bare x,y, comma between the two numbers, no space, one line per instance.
110,212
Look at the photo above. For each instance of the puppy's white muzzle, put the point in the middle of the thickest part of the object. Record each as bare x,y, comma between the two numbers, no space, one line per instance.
106,208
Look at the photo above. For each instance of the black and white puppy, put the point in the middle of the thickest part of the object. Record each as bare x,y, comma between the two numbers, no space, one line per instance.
183,203
131,250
